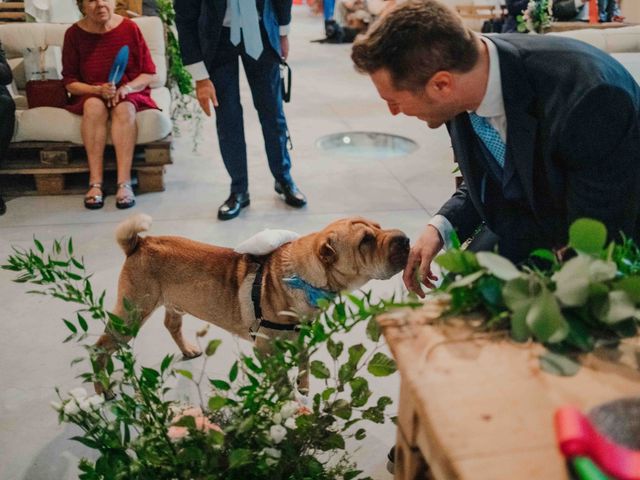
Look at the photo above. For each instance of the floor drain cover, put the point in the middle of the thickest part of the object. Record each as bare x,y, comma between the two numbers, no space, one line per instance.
366,145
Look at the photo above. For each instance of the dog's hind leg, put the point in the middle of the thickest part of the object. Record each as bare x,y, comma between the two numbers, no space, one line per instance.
110,339
173,322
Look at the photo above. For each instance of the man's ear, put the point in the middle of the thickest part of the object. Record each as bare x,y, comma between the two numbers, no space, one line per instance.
327,253
441,83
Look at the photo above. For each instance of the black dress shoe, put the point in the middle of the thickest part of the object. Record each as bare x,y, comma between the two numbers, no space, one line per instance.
232,206
3,207
292,196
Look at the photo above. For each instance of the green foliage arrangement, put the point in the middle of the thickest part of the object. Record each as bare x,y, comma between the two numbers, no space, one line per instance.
248,425
537,17
184,106
589,300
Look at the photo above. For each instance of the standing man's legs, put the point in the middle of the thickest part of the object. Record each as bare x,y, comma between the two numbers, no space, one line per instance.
264,80
7,121
230,126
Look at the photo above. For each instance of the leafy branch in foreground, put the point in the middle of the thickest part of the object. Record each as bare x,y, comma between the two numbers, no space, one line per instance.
251,424
592,299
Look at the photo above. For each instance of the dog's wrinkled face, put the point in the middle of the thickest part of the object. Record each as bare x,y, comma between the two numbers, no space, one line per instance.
355,250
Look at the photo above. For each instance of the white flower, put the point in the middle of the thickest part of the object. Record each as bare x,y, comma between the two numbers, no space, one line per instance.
272,452
95,401
84,405
277,433
277,418
290,423
271,461
289,408
71,408
78,393
57,406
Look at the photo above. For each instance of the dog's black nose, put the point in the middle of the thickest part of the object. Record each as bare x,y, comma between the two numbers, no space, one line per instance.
399,244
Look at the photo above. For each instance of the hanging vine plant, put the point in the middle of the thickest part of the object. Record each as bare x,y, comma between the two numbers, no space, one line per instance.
184,106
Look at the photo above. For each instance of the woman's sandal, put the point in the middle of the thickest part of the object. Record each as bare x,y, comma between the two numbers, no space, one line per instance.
127,201
94,202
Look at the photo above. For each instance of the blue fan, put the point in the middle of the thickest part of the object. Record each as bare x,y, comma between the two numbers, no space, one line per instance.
119,65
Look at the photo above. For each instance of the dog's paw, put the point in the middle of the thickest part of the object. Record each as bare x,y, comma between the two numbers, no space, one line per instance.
191,352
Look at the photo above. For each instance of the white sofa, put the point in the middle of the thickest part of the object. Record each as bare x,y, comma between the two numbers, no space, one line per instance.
622,43
56,124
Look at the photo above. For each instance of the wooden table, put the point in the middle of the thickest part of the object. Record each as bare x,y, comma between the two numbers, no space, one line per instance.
477,406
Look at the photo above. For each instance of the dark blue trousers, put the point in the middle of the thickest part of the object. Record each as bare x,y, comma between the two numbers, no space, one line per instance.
263,76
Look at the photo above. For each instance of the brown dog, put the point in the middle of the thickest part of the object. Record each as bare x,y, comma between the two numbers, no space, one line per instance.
242,293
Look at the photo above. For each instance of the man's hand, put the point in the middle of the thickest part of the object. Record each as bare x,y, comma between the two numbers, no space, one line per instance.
284,46
205,93
420,257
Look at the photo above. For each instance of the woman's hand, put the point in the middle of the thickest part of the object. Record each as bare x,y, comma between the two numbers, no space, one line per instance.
120,95
107,91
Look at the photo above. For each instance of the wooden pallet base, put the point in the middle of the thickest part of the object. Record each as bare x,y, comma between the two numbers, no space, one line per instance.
43,168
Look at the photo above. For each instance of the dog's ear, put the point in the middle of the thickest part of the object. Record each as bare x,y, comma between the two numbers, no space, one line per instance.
327,253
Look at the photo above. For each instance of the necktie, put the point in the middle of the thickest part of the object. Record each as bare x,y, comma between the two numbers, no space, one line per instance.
244,16
489,136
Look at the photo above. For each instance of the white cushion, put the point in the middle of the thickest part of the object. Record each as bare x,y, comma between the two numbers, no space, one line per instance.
50,124
58,125
153,33
16,37
612,40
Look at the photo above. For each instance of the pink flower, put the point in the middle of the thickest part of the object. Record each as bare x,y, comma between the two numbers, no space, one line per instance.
202,423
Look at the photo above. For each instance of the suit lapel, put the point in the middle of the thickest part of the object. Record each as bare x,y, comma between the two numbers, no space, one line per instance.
521,124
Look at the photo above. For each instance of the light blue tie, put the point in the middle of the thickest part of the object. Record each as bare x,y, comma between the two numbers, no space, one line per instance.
244,16
489,136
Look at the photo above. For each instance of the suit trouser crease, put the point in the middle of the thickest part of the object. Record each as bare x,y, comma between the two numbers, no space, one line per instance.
263,76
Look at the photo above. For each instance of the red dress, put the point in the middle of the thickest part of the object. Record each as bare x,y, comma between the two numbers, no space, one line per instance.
87,58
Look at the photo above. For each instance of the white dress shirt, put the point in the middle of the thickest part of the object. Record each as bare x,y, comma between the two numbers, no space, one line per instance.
199,71
491,107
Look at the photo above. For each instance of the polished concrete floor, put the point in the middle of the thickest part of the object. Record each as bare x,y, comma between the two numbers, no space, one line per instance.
328,97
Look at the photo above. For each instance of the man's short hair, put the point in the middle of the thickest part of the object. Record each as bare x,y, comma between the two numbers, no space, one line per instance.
414,41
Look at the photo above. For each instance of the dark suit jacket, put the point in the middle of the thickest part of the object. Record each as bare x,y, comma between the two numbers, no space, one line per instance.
199,24
6,76
573,134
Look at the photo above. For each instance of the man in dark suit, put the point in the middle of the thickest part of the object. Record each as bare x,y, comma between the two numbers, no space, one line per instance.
213,35
7,113
545,130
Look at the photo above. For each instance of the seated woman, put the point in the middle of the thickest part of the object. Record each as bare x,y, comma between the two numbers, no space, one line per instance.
90,47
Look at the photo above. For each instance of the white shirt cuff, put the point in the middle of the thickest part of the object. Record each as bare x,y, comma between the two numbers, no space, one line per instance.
284,30
445,229
198,71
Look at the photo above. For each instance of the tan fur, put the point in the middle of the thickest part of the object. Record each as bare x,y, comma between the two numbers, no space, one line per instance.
214,283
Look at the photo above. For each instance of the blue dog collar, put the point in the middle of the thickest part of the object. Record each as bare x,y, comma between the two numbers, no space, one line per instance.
314,294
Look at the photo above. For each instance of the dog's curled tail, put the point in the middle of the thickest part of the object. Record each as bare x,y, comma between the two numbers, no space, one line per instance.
127,232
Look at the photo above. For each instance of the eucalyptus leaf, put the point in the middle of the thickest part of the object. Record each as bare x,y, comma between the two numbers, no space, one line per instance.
572,281
467,280
545,254
319,369
588,236
381,365
631,286
458,261
546,320
519,329
498,266
519,293
601,270
557,364
618,307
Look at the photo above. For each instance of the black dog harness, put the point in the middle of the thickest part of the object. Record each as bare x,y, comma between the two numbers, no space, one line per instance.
256,291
